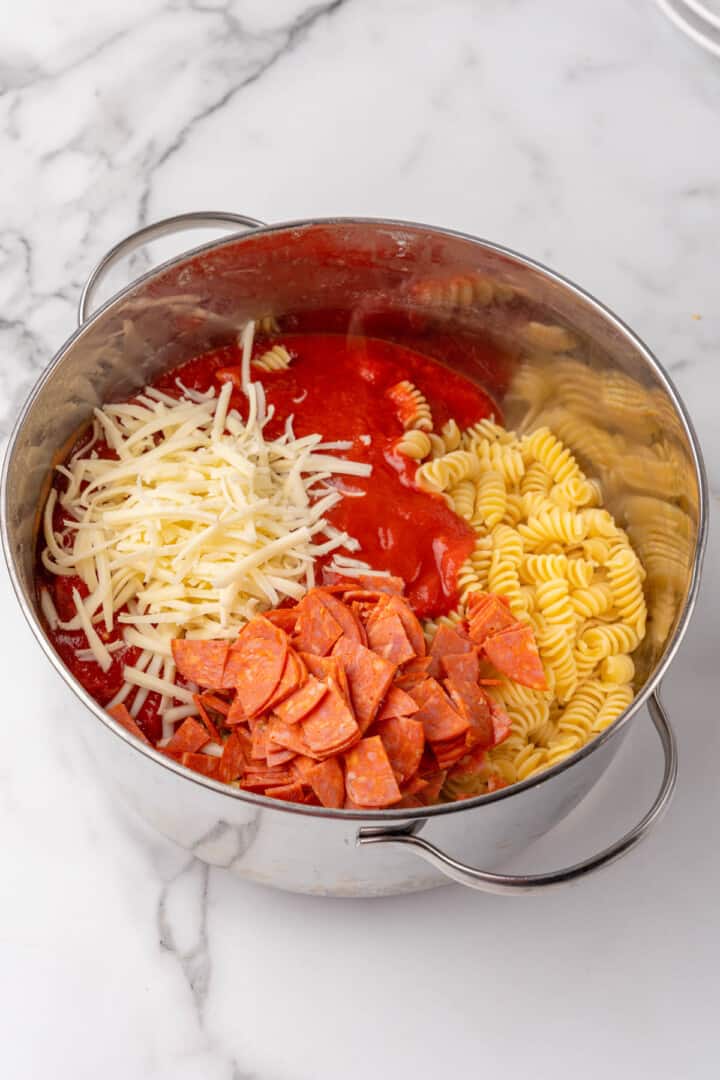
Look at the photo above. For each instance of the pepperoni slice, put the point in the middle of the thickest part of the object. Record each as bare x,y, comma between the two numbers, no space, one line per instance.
259,741
209,725
502,724
258,656
292,792
489,618
472,701
345,617
236,715
449,641
331,723
212,701
431,793
287,737
202,662
414,785
285,618
258,780
328,783
411,624
293,676
387,637
385,584
515,653
369,778
369,677
397,703
202,763
121,714
232,763
404,742
317,630
303,701
188,738
413,673
302,765
447,753
278,755
439,718
462,667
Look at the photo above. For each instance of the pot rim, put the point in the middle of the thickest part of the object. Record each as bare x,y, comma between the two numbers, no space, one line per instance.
397,816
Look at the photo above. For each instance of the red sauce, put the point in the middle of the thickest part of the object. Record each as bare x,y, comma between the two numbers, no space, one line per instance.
335,386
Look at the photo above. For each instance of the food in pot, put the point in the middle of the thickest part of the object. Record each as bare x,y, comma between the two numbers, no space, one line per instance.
477,607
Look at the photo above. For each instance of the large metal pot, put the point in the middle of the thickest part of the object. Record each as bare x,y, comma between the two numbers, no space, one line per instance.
397,280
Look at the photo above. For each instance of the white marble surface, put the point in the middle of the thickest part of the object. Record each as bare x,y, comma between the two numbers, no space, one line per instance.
586,135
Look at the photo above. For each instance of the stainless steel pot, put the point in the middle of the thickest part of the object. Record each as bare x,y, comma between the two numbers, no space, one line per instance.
401,281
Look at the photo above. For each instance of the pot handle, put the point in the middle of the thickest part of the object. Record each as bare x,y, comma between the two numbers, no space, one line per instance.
486,881
198,219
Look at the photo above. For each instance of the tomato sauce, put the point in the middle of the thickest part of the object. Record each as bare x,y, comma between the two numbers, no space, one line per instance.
334,386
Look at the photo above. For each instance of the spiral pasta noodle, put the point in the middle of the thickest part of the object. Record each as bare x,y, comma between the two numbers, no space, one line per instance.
412,406
545,542
275,359
414,444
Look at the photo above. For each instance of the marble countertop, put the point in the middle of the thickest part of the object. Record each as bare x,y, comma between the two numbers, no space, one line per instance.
589,141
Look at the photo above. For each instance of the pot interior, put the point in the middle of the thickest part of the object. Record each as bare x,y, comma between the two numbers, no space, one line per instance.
544,351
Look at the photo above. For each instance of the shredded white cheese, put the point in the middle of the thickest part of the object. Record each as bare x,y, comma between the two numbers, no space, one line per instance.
200,523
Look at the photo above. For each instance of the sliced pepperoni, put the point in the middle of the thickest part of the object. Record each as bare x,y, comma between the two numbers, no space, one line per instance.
202,763
121,714
435,781
383,584
369,778
413,673
259,741
202,662
293,676
331,723
233,760
411,624
450,751
439,718
515,653
449,641
287,737
236,715
212,701
502,724
469,765
259,654
463,667
317,629
285,618
303,701
292,792
278,756
397,703
387,637
328,783
258,780
414,785
188,738
302,765
472,701
349,623
489,618
369,677
206,719
404,742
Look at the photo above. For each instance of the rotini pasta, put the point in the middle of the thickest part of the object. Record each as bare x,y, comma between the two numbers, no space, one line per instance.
414,444
412,406
275,359
491,498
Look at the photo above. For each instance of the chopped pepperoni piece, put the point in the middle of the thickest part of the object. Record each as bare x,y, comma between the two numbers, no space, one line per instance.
472,701
397,703
331,723
212,701
414,785
413,673
278,756
384,584
489,618
202,763
317,630
369,678
258,780
328,783
210,726
202,662
232,763
449,751
293,676
502,724
404,742
188,738
463,667
439,718
236,715
303,701
285,618
387,637
260,652
515,653
369,778
302,765
121,714
291,792
411,624
435,781
259,741
350,624
449,641
288,737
